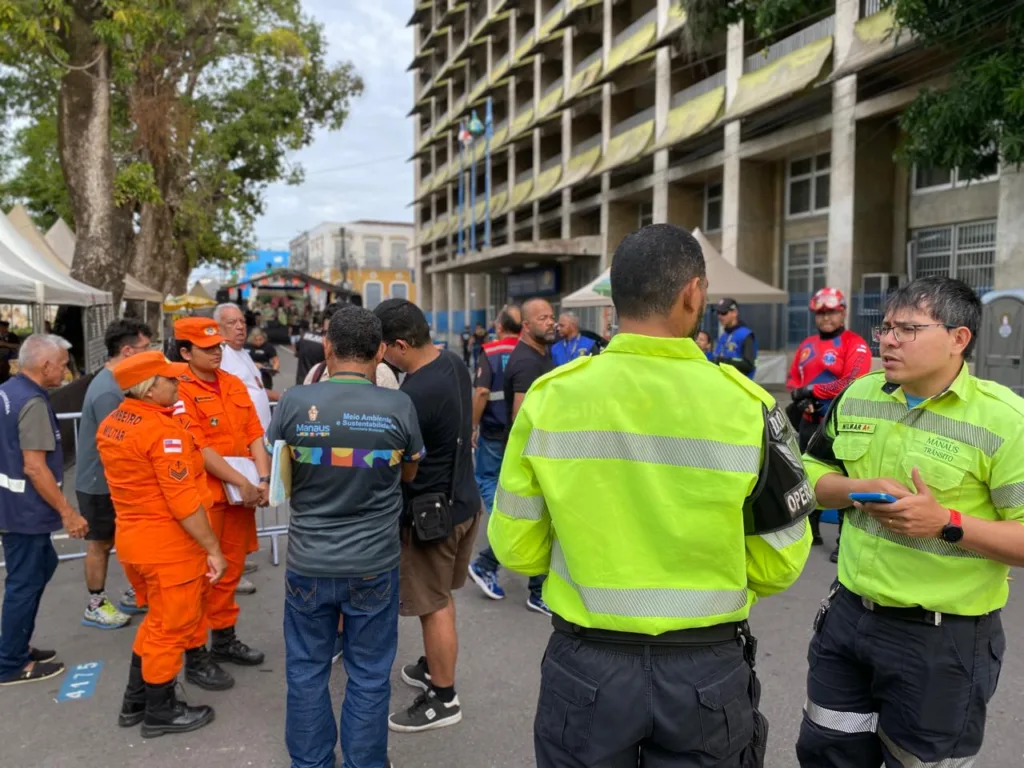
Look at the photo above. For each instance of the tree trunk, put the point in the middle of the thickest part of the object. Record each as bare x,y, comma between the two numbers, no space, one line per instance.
158,260
86,155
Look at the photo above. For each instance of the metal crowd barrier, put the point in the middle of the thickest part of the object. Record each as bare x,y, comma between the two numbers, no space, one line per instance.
266,528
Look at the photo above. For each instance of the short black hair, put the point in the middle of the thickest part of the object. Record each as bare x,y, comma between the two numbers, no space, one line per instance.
174,350
650,268
401,319
507,320
948,301
354,333
124,332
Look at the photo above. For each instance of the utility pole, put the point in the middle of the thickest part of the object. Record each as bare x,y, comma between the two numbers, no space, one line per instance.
343,256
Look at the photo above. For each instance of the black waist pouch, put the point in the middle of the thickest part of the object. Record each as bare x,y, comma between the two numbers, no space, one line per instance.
430,517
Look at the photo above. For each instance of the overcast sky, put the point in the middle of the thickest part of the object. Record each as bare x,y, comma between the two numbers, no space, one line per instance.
360,171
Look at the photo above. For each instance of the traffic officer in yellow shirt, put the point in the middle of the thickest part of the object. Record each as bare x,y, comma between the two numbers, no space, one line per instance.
908,644
658,529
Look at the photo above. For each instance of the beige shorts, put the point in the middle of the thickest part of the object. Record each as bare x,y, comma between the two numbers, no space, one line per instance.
431,572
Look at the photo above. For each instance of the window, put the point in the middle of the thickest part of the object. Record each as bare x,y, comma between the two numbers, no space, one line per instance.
932,179
399,290
372,293
371,252
807,190
645,214
398,257
963,251
713,207
806,271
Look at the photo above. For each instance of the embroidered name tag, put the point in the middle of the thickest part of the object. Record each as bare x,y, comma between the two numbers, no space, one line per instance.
856,426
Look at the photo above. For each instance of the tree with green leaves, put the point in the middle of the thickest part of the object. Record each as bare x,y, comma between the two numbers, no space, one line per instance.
170,119
974,121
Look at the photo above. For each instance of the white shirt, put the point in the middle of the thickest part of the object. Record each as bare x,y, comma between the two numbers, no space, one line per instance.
238,363
385,376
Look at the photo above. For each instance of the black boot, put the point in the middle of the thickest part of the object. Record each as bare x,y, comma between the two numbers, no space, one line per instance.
166,714
203,671
228,648
816,528
133,706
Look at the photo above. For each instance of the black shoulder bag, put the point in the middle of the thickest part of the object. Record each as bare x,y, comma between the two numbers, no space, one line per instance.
431,513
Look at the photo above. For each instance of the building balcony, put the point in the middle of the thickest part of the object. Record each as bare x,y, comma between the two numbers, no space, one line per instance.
795,42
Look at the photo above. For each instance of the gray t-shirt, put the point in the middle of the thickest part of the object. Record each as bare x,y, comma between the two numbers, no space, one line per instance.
35,432
101,399
348,439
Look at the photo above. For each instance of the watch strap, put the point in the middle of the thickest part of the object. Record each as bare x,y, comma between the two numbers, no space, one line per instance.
955,519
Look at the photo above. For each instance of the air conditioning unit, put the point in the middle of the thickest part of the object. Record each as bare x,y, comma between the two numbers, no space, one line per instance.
874,289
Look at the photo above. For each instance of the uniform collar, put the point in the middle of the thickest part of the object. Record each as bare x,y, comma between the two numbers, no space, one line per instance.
654,346
962,387
134,404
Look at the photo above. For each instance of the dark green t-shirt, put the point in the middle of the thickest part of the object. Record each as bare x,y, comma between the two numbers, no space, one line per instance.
348,439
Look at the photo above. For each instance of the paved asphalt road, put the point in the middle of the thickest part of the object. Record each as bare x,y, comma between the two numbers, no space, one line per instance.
498,676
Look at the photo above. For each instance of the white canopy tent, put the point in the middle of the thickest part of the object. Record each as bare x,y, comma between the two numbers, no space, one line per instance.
724,279
61,242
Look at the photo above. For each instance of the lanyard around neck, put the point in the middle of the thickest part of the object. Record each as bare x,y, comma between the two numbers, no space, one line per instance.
357,374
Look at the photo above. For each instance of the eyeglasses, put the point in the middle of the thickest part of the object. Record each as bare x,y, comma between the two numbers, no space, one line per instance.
904,333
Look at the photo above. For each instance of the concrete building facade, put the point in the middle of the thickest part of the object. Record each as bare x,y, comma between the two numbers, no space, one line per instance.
374,258
780,150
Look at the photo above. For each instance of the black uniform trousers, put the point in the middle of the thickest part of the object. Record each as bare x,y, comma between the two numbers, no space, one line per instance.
906,694
605,705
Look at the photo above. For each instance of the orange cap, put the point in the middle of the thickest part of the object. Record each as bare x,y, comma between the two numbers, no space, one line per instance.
145,365
201,331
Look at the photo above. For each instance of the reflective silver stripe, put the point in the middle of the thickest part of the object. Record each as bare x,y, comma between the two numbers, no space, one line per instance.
12,485
648,449
519,507
1008,496
862,520
650,602
844,722
985,440
779,540
496,396
908,760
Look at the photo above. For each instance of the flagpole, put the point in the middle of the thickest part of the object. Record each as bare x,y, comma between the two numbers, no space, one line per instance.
472,201
488,133
462,184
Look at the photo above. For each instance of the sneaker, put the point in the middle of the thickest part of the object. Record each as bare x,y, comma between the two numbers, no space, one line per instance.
426,713
337,650
417,675
36,654
250,567
35,672
103,615
834,557
536,603
245,587
487,580
129,604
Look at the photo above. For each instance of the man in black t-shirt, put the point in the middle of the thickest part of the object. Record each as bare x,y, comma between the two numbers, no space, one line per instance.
309,351
438,383
531,358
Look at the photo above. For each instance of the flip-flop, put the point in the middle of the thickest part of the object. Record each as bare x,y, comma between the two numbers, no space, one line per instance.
36,654
40,670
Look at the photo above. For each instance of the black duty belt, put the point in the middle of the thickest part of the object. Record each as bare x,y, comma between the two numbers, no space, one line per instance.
718,634
916,614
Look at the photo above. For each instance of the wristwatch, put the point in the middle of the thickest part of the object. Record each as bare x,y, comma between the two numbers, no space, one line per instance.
953,531
265,479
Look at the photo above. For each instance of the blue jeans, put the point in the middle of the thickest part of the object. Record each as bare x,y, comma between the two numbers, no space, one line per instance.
489,454
30,563
312,608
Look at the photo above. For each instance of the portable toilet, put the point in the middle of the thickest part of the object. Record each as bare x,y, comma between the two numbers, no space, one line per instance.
1001,340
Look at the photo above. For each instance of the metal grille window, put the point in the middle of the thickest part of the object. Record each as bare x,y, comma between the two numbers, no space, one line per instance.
713,207
399,290
371,252
807,188
373,293
806,271
398,255
964,251
933,179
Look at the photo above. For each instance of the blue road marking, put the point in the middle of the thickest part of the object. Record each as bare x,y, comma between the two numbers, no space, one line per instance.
80,681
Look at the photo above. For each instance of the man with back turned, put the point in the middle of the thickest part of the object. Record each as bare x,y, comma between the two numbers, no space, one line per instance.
658,529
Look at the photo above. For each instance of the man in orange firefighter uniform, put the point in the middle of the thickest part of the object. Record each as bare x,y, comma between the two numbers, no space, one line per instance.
221,416
163,539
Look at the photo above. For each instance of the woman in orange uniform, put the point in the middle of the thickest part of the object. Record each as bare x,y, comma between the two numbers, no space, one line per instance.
163,537
224,421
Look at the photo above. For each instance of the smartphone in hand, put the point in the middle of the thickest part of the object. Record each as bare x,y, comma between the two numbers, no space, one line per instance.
872,498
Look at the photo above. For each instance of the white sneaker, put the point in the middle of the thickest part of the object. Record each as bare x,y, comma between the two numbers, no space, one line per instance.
102,614
245,587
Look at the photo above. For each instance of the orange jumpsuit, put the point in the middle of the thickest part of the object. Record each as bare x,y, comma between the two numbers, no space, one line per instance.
149,463
220,415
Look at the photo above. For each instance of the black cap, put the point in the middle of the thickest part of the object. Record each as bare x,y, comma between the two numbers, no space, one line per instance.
726,305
